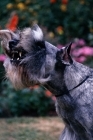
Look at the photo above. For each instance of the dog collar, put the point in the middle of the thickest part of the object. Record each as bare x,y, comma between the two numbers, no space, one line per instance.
80,83
58,95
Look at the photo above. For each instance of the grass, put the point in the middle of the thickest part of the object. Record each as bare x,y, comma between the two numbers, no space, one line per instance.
48,128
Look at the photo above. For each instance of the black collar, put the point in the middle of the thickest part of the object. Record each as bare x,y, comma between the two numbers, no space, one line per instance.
58,95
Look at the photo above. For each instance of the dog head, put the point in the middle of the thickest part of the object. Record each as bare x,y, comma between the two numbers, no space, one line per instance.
30,60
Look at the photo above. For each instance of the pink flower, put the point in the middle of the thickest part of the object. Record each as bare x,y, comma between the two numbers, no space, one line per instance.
2,57
74,45
59,46
81,59
76,52
81,42
79,50
88,51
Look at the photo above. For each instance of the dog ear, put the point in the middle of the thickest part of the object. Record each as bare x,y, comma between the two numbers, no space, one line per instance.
64,55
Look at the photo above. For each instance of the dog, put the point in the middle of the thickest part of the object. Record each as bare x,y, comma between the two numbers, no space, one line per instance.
33,61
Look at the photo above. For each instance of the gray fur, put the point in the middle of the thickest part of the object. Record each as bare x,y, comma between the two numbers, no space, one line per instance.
70,81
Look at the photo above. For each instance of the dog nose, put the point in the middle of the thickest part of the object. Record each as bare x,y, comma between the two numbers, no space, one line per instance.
13,43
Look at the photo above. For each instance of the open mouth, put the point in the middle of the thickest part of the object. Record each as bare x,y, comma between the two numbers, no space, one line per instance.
16,55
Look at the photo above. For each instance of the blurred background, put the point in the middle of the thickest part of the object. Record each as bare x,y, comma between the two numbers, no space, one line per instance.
62,21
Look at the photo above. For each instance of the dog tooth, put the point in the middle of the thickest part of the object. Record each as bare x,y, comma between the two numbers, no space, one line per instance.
20,54
18,58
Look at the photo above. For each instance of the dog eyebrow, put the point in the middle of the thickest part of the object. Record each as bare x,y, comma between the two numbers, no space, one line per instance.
37,33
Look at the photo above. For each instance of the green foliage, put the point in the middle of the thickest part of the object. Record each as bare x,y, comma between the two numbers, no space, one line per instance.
62,21
66,19
27,102
2,75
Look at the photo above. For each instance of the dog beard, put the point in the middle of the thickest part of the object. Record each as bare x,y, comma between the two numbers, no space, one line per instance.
28,62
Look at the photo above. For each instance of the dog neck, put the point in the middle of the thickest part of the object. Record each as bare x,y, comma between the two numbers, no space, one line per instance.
71,78
75,75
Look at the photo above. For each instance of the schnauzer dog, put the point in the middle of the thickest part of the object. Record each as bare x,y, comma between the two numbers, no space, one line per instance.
32,60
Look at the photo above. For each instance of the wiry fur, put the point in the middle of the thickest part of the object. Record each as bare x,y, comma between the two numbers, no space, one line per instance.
14,74
30,40
43,63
